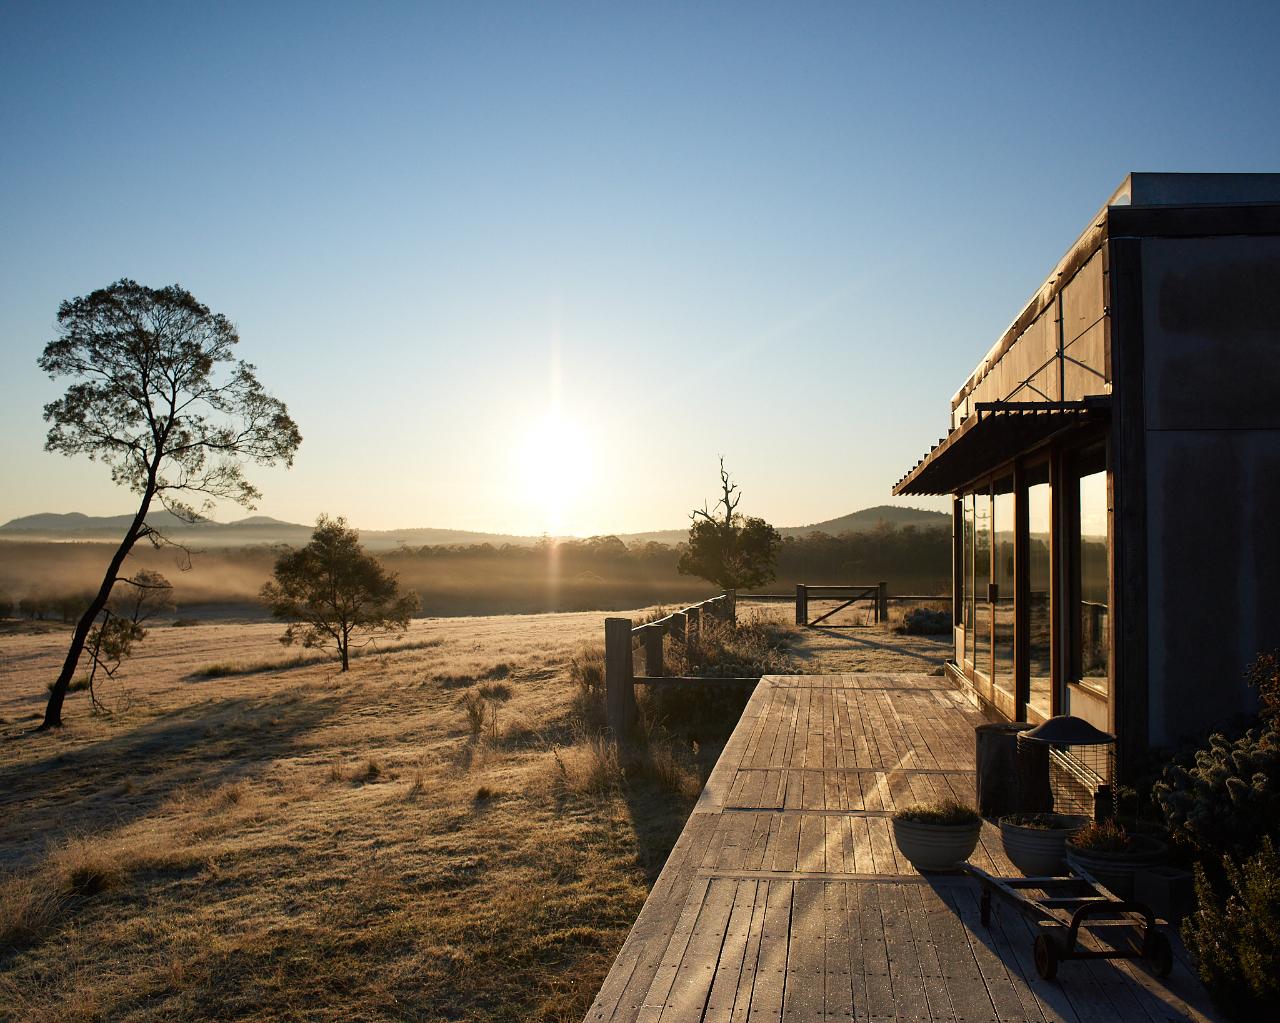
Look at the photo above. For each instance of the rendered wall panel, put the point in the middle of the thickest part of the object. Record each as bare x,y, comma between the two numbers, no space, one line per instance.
1213,547
1211,309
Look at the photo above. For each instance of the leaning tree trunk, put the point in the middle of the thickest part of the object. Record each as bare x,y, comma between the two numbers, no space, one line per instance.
58,693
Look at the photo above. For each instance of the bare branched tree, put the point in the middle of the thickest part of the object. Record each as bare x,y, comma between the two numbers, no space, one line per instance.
726,548
157,395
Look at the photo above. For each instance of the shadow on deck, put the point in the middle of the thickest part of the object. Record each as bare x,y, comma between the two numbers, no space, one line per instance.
785,896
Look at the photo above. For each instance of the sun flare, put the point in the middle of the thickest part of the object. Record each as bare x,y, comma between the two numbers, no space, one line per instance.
555,464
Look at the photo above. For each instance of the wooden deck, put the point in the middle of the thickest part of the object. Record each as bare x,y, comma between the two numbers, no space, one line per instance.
785,897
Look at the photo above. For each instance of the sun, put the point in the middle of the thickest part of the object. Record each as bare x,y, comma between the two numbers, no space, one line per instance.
556,459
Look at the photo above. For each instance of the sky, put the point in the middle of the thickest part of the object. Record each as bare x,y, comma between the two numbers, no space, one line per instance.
535,267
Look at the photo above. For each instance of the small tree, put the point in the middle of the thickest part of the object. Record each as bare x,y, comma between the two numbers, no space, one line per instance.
330,590
731,550
123,623
147,398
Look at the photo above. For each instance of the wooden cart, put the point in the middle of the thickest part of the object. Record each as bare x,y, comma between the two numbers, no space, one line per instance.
1074,901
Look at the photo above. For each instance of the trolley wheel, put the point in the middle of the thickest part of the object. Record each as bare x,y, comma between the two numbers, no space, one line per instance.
1159,953
1047,956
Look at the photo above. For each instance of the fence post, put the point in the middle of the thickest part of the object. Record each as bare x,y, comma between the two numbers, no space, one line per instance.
882,602
619,687
653,666
731,606
694,618
802,604
677,628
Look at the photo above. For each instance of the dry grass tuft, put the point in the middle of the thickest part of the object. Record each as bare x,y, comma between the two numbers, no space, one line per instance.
476,708
592,767
29,909
497,692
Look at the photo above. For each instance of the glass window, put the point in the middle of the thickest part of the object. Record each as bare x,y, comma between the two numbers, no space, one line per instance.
1038,620
981,580
1003,527
968,576
1093,570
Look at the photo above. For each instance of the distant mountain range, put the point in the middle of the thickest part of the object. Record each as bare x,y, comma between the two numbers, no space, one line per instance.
263,529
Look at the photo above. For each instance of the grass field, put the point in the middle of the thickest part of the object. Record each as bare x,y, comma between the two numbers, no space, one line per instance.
437,835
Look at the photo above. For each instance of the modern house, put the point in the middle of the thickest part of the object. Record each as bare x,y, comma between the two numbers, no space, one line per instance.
1114,461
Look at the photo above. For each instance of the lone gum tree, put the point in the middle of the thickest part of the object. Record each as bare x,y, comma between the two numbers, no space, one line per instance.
731,550
157,395
331,590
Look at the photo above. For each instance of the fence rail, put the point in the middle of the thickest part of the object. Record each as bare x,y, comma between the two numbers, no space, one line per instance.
621,638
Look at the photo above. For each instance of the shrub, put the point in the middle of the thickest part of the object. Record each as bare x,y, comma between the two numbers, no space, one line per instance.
924,621
1264,675
1236,940
1104,836
1229,798
1040,821
949,812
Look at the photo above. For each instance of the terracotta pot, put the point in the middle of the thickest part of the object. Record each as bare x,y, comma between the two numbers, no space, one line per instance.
936,846
1039,852
1116,870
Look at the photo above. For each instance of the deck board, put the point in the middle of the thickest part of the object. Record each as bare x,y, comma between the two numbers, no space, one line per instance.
785,898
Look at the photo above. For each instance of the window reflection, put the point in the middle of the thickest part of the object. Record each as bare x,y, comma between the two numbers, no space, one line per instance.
1038,620
968,576
981,579
1002,570
1093,575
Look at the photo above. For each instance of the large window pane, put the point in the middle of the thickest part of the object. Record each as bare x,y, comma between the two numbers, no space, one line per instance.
1002,539
981,579
1038,621
1094,571
968,576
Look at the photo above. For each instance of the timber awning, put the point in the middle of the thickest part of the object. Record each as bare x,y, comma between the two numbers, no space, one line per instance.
996,433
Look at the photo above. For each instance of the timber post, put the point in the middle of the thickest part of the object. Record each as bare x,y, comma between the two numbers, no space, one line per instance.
802,604
731,606
619,688
679,625
694,618
882,602
653,664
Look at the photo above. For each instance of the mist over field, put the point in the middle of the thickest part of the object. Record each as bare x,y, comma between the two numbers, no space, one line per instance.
571,575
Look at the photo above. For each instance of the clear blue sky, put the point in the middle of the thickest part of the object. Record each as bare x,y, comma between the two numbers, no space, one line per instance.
784,233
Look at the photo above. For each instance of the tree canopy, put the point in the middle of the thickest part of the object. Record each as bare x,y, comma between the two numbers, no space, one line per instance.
331,591
731,550
157,395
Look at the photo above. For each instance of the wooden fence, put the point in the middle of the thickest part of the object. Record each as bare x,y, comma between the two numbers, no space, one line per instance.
621,638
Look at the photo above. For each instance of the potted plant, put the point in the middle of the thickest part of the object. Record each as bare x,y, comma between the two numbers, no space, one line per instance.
937,836
1112,855
1036,842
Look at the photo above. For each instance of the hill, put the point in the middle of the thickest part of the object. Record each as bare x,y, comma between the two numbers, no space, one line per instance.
263,529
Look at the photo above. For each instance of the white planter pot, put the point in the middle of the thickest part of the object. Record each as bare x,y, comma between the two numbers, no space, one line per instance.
1116,870
1038,852
936,846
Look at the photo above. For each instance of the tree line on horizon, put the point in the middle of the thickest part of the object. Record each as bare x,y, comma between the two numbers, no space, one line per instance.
156,393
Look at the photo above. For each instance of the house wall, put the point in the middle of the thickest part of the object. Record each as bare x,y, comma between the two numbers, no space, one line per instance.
1211,397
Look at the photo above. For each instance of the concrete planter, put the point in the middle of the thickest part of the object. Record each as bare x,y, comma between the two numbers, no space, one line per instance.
1116,870
936,846
1039,852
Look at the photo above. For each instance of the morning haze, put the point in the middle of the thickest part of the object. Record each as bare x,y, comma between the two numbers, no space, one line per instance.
639,512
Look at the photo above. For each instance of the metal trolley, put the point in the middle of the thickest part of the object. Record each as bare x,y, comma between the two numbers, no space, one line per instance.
1074,901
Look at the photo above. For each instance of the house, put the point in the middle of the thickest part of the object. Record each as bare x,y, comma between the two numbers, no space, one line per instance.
1114,464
